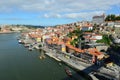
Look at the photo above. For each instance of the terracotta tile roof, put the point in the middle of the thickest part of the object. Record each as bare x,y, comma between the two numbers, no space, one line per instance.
74,48
92,38
87,33
34,35
96,35
94,51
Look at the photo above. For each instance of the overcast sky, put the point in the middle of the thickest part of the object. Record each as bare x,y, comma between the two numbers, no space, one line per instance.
52,12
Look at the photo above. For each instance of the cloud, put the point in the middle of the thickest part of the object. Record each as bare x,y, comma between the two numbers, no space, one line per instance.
52,15
59,8
82,15
58,5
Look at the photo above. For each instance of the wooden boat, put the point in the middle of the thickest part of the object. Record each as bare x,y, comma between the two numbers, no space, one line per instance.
42,57
68,72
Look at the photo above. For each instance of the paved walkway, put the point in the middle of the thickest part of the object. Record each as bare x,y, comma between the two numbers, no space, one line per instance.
75,64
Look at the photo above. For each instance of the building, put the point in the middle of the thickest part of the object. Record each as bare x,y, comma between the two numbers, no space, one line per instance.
87,27
98,19
97,36
117,28
92,37
117,40
110,24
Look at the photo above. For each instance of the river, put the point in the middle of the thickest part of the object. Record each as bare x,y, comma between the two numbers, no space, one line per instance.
18,63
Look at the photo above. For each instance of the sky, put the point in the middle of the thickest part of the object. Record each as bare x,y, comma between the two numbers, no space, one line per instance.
54,12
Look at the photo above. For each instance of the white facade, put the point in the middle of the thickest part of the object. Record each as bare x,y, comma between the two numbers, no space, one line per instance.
92,37
110,24
87,28
97,37
117,28
46,36
117,40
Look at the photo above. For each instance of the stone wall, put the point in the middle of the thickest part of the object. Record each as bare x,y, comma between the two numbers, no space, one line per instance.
99,48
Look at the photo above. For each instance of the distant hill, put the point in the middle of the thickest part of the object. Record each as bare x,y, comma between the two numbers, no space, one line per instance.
30,26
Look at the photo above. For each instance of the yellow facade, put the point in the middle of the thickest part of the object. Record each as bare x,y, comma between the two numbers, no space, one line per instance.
38,39
63,49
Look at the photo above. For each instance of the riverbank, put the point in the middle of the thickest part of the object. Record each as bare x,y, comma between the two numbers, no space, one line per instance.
74,64
8,32
70,59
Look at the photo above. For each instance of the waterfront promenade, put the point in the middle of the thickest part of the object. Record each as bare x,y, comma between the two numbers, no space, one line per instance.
80,65
75,62
71,62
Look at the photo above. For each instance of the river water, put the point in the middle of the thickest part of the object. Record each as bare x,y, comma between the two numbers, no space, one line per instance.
18,63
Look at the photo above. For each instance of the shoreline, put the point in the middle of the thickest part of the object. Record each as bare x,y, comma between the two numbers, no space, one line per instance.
8,32
72,61
70,64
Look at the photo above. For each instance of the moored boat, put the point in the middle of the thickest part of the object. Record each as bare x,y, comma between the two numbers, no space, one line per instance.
30,48
42,57
21,41
68,72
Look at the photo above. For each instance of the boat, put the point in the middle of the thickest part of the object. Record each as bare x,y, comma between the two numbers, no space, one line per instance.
60,64
30,48
21,41
26,45
68,72
42,57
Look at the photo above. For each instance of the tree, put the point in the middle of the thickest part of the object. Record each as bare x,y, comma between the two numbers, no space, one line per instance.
118,18
112,17
105,40
78,33
74,42
77,41
70,34
108,18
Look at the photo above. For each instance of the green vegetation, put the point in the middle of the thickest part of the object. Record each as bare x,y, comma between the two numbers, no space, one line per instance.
116,48
112,17
89,31
76,32
40,45
76,42
95,26
105,40
70,34
29,26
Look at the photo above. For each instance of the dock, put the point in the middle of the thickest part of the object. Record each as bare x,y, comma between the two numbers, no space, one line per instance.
50,53
52,56
69,59
79,66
